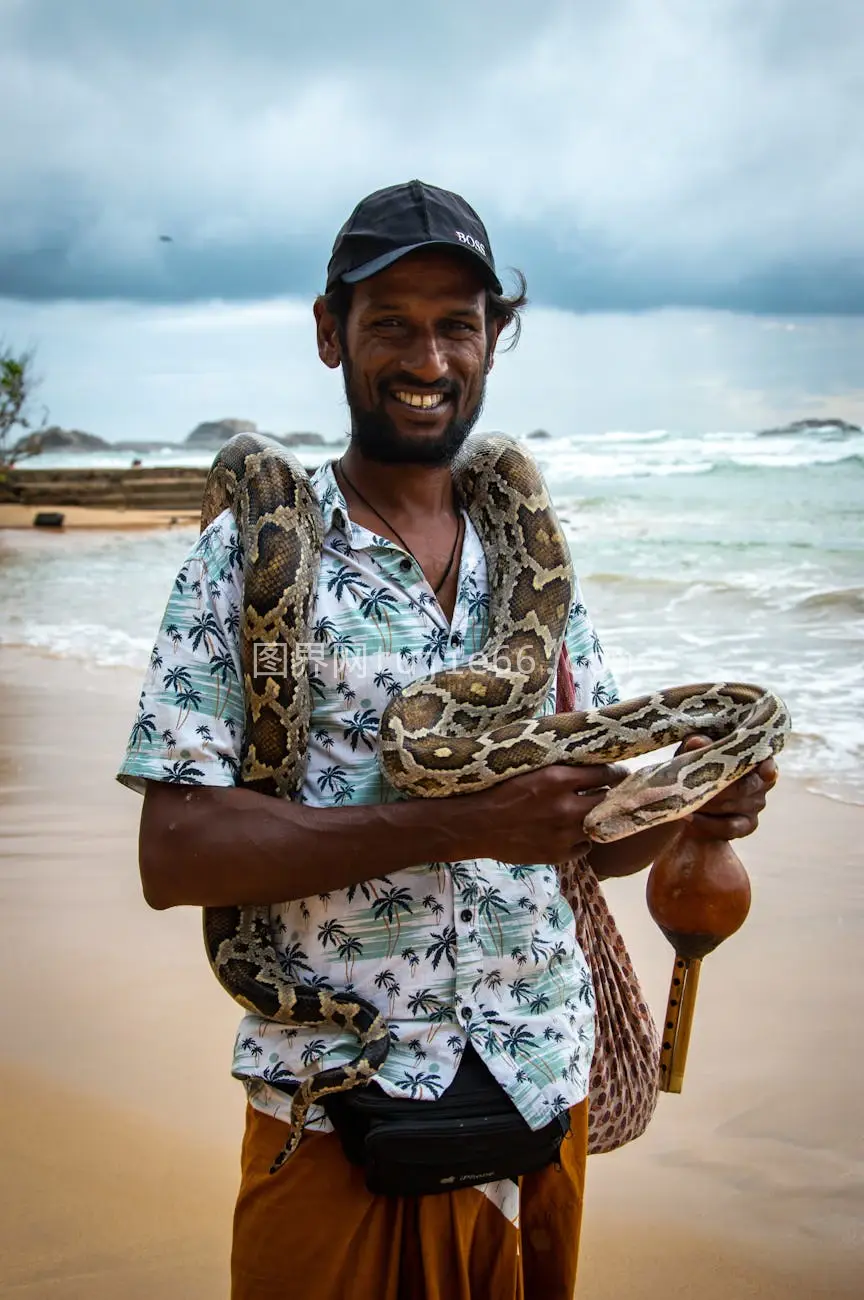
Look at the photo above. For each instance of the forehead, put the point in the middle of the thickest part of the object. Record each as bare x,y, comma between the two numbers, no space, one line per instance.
425,277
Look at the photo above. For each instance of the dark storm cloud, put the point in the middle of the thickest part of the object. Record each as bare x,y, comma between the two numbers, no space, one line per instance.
637,154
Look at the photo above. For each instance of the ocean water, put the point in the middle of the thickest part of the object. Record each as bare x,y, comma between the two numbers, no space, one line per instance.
732,556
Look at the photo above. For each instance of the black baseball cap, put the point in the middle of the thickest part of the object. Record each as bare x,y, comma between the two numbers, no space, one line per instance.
398,220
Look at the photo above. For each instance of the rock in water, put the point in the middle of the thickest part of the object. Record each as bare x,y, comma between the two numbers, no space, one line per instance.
212,433
811,426
57,439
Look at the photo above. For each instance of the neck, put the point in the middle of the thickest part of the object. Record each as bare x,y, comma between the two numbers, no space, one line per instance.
412,491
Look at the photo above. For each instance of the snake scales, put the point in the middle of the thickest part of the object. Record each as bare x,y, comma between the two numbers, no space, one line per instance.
459,730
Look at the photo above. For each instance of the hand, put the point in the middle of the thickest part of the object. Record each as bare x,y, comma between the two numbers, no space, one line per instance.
734,812
538,817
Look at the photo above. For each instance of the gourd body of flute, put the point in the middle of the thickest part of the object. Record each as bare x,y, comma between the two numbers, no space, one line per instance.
698,893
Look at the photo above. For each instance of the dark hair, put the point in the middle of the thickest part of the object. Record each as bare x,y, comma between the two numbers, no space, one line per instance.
509,309
499,307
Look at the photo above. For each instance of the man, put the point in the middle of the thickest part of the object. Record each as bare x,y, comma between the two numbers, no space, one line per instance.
445,913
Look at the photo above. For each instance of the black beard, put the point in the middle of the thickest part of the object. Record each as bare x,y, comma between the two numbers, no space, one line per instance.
376,437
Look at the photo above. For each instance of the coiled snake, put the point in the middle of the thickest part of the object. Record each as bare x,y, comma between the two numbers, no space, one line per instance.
456,731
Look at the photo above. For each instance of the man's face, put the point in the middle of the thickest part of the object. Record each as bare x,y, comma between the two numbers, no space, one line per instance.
414,357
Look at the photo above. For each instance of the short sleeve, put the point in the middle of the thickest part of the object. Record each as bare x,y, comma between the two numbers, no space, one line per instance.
594,682
189,726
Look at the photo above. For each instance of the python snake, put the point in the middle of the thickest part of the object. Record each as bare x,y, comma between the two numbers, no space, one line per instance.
459,730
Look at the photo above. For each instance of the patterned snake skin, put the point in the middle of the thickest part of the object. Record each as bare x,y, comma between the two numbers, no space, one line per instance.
458,730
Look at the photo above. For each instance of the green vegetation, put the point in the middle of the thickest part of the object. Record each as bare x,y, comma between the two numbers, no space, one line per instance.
17,384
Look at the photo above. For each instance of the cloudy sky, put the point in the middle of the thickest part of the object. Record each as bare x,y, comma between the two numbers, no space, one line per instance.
682,183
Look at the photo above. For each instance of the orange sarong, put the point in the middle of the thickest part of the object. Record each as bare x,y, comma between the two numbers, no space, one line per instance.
314,1231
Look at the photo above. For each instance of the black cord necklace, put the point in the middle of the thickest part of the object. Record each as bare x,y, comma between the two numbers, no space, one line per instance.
396,532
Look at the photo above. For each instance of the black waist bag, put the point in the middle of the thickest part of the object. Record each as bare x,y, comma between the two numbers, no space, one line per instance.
472,1134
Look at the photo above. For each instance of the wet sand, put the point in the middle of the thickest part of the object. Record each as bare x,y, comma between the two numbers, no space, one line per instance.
121,1124
15,516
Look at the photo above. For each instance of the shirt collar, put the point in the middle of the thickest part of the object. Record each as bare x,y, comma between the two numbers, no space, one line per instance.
334,512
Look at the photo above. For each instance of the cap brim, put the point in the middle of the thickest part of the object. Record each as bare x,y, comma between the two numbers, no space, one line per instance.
381,263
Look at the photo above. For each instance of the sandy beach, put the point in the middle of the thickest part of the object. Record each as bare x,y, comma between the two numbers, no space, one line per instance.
15,516
120,1165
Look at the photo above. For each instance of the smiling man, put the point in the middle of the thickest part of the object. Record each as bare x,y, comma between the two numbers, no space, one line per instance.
446,913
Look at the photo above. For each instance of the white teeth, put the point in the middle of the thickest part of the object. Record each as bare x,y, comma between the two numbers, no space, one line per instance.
424,401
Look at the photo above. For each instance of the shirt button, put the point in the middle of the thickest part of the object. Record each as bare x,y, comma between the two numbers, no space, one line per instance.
455,639
466,1013
466,914
405,565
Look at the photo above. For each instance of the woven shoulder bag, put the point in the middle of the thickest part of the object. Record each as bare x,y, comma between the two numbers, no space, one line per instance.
623,1085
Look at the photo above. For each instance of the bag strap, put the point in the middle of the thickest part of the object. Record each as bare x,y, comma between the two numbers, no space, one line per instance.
623,1085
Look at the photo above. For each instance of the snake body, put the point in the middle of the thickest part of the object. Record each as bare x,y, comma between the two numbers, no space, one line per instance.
458,730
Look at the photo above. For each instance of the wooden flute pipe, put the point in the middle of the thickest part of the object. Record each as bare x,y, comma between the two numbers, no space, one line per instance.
698,893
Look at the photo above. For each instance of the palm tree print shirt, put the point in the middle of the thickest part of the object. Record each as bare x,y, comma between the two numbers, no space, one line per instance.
450,951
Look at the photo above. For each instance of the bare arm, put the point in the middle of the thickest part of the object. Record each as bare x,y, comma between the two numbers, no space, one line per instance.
626,857
212,846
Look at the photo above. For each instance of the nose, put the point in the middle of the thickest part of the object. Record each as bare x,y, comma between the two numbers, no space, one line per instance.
423,357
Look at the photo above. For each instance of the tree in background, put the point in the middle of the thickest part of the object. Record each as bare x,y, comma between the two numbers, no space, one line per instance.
18,381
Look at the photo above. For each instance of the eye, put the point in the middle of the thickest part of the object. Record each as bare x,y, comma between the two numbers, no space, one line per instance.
459,327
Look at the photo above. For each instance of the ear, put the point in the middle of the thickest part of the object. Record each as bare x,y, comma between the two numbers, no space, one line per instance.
494,333
327,332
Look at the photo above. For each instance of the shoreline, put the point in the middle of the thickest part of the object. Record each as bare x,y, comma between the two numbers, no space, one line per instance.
123,1124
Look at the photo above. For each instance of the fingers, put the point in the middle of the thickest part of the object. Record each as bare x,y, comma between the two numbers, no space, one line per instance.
734,812
605,774
711,826
693,742
586,778
746,796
